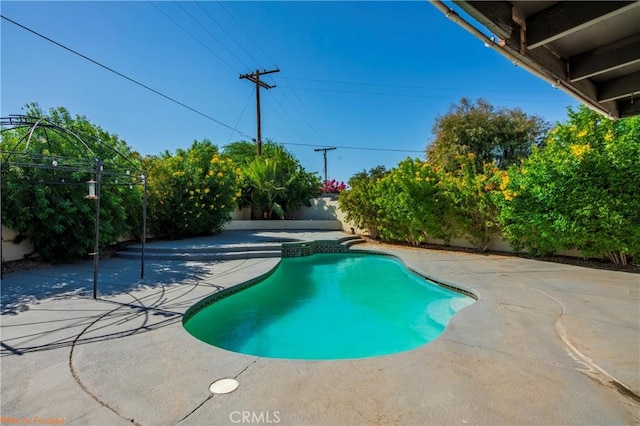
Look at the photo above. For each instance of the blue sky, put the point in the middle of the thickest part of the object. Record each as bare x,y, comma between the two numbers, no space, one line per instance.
369,75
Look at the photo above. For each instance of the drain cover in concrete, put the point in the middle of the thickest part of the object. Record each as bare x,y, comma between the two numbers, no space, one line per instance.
223,386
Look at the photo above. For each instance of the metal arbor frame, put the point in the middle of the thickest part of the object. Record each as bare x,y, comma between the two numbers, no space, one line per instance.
89,164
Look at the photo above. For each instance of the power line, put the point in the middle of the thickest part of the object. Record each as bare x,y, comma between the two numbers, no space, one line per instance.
321,132
298,130
318,130
360,148
342,147
255,78
229,35
182,104
402,86
404,95
126,77
324,154
284,94
252,77
193,37
247,34
240,118
211,34
295,108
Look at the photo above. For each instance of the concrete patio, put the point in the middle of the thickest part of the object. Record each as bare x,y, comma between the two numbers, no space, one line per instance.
544,344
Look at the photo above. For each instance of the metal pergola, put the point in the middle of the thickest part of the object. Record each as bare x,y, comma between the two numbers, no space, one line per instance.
119,168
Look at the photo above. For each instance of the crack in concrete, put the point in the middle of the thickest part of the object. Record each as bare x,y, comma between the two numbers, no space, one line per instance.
211,396
159,301
195,409
511,354
592,370
76,377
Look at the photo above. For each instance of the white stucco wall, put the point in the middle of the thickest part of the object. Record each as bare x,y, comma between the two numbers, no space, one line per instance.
322,208
241,214
324,214
283,225
11,251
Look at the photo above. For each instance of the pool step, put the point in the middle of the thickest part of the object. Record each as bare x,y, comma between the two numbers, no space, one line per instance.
215,252
214,248
202,254
350,241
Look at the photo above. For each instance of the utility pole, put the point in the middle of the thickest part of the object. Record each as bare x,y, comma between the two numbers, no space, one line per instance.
255,78
325,158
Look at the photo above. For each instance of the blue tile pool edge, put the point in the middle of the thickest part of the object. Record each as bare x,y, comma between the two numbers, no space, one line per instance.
229,291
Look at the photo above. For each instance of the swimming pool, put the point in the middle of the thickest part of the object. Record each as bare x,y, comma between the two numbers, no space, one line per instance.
329,306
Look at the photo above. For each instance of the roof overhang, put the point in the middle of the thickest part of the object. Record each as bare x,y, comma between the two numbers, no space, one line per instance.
589,49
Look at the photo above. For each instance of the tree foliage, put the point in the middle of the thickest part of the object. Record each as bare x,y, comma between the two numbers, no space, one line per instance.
360,202
580,191
48,204
191,192
274,184
416,201
267,184
503,136
473,199
244,152
411,205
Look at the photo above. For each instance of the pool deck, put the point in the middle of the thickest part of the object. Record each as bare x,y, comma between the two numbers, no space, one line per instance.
545,344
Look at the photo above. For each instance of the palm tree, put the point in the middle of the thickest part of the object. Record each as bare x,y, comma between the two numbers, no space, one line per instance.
267,182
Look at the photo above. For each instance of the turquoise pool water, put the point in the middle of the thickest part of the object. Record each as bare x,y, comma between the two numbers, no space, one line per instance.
330,306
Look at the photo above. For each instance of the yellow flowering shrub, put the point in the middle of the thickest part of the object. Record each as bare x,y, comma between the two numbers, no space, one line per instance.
183,188
579,150
580,191
474,198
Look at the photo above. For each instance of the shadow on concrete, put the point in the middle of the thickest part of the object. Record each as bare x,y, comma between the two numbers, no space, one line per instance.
110,319
227,238
25,288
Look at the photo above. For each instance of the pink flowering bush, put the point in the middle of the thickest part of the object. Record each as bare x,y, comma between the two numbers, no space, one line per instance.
332,187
